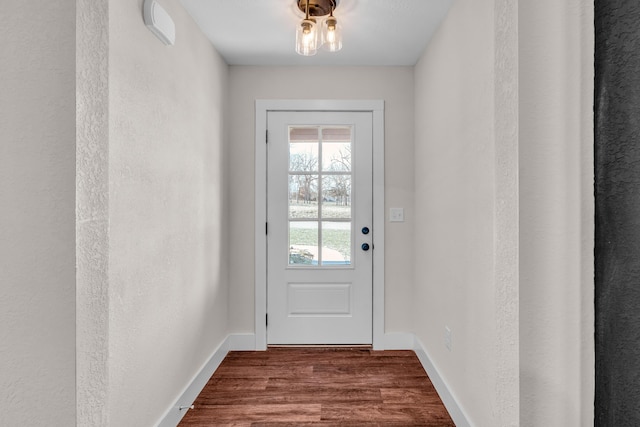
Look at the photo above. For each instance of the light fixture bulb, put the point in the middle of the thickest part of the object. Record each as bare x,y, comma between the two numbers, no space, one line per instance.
331,35
307,38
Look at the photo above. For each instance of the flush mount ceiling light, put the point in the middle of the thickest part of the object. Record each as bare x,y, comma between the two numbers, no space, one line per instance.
307,39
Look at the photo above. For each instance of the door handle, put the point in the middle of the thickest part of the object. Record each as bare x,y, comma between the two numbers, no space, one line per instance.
365,246
365,230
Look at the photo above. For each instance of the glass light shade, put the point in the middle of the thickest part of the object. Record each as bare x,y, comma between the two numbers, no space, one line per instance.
307,38
331,35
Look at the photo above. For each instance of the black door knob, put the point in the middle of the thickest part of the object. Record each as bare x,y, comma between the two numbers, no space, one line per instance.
365,230
365,246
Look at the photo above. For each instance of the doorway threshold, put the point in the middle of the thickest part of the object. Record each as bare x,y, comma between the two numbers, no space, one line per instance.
323,346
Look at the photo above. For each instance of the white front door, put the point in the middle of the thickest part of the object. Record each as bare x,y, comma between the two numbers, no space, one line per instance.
319,239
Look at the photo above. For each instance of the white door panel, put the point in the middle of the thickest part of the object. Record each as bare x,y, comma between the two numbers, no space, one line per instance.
319,205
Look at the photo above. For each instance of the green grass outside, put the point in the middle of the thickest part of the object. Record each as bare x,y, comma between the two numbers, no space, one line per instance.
339,240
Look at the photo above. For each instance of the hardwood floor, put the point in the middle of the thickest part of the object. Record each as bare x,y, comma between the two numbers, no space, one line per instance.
319,387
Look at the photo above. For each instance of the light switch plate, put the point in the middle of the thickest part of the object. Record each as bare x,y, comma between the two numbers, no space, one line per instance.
396,215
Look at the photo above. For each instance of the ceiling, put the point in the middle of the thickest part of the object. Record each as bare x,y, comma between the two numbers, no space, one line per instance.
375,32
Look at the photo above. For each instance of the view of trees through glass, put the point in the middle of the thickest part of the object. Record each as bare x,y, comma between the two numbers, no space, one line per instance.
320,180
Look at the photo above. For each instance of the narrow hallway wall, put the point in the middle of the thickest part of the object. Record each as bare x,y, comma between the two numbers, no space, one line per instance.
465,251
168,281
37,218
556,212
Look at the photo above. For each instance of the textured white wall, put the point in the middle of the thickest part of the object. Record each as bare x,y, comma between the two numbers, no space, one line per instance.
556,212
37,220
392,84
92,212
167,211
466,207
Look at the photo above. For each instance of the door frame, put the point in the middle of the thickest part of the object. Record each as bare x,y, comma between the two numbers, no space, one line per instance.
262,107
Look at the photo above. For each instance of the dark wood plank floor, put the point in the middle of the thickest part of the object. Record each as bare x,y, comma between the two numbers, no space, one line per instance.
319,386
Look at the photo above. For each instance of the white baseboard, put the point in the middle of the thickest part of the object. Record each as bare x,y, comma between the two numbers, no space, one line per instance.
240,342
456,411
398,341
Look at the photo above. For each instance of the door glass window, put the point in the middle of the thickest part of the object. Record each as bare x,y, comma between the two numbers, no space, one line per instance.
320,195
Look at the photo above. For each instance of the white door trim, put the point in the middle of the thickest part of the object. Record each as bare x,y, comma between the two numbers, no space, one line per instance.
376,107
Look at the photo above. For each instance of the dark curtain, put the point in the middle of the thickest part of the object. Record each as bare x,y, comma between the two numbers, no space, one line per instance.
617,193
